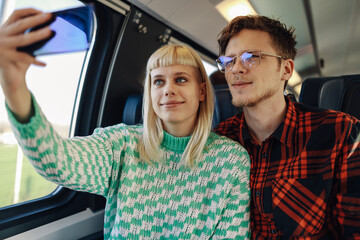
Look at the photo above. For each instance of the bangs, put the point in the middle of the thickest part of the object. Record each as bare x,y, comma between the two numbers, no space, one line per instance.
171,55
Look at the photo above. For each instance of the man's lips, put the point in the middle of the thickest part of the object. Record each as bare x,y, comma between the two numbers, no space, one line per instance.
241,84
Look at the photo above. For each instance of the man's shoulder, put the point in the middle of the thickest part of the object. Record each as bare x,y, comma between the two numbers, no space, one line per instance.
316,114
219,139
230,123
231,127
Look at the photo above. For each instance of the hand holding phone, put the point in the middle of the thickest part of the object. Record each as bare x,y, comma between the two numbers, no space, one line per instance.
72,31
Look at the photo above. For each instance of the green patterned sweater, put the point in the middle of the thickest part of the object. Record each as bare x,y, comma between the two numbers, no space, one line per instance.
160,201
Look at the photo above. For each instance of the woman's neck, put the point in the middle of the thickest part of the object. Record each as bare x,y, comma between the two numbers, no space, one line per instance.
182,129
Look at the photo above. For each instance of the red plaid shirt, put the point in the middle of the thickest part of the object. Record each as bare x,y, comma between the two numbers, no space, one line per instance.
305,177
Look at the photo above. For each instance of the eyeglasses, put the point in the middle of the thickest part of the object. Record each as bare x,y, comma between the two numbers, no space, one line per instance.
249,59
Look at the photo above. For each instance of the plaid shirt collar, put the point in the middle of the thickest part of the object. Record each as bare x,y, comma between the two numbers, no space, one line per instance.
283,132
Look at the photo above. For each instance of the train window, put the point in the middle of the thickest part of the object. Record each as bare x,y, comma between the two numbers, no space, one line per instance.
55,91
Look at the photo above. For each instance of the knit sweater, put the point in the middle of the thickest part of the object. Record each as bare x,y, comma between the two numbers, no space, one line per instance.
146,201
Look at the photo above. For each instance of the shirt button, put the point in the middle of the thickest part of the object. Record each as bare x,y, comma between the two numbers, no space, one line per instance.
257,193
274,231
264,155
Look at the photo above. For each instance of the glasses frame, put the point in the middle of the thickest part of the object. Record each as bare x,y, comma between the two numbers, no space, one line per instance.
233,60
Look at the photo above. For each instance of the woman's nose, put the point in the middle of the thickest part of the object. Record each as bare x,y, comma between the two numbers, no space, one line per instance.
169,90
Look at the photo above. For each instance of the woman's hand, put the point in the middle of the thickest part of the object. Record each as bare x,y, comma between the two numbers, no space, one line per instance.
13,63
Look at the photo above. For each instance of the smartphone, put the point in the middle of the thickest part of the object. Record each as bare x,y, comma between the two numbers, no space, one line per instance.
72,31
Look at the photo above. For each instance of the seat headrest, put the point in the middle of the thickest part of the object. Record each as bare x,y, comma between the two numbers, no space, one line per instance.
132,114
341,93
223,105
351,99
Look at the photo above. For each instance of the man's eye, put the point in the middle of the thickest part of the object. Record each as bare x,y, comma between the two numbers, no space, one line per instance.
249,56
255,56
228,62
158,82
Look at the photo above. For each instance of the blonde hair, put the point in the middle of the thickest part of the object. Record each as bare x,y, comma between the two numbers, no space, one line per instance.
152,126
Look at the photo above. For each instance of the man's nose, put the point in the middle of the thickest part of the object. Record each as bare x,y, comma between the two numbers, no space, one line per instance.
238,66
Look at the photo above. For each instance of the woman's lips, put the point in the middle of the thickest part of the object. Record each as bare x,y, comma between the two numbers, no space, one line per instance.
171,104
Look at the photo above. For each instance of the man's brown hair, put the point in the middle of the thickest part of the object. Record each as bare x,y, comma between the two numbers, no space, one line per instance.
283,39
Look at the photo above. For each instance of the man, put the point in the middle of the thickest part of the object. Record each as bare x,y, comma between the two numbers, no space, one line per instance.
305,162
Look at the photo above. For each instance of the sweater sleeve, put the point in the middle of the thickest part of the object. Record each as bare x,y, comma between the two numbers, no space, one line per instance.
80,163
235,218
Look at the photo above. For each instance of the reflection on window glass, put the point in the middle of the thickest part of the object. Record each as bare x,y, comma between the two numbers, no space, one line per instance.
54,87
209,68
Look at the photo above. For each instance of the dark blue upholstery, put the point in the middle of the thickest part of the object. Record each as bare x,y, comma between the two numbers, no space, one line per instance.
132,113
341,93
223,106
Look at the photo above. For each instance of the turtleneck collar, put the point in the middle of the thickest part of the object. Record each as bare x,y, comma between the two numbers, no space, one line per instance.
176,144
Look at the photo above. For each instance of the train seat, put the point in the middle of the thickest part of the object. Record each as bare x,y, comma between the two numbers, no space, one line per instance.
223,106
340,93
132,113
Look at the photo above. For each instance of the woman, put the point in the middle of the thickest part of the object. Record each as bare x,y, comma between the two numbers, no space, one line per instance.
170,177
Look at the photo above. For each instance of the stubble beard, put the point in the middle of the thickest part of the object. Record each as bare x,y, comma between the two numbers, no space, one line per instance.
240,101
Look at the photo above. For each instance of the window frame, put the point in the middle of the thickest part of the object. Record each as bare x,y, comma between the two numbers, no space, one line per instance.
63,202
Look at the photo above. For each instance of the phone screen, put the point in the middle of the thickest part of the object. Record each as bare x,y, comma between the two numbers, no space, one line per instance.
72,29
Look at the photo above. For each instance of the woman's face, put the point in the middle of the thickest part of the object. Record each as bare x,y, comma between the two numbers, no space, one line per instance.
176,92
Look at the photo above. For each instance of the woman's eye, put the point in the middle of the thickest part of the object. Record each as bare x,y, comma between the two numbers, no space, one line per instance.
181,80
158,82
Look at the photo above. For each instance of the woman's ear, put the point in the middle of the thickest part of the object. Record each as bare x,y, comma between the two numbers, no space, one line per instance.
288,69
202,91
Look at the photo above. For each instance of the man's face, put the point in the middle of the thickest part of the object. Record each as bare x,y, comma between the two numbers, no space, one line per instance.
250,87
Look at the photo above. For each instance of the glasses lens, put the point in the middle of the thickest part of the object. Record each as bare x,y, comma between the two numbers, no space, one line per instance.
224,63
250,59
